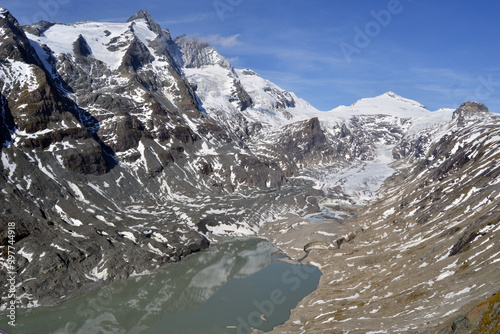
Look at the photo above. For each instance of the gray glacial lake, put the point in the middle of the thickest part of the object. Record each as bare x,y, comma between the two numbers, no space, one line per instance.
235,285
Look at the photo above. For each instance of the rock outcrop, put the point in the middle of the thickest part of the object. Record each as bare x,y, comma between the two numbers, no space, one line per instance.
470,111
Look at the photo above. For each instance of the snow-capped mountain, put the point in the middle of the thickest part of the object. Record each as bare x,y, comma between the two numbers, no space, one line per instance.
127,149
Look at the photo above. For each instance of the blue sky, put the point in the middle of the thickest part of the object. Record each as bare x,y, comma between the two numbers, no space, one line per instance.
330,52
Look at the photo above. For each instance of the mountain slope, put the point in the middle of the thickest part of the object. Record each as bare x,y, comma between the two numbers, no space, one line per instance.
425,251
102,144
127,150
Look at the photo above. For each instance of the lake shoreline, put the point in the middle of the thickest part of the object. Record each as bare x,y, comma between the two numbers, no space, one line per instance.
250,271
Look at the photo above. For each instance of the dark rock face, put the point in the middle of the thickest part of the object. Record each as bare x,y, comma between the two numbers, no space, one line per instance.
302,144
90,161
129,132
81,48
15,45
136,57
44,107
307,144
39,28
240,95
214,130
185,135
462,243
260,174
7,126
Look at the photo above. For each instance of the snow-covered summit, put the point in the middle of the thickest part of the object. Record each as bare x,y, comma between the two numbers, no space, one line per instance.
98,36
388,103
144,16
224,91
241,101
108,41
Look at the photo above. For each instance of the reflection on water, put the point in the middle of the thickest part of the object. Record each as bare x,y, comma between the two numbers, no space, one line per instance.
228,289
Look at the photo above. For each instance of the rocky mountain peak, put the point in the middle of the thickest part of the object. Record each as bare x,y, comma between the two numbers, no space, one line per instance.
143,15
3,11
197,53
392,95
470,110
39,28
136,57
388,103
14,44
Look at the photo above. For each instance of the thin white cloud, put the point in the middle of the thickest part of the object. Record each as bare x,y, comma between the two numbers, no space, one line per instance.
436,88
225,42
295,57
115,19
188,19
444,73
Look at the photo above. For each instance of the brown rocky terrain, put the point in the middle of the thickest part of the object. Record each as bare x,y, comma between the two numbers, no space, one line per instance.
423,254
